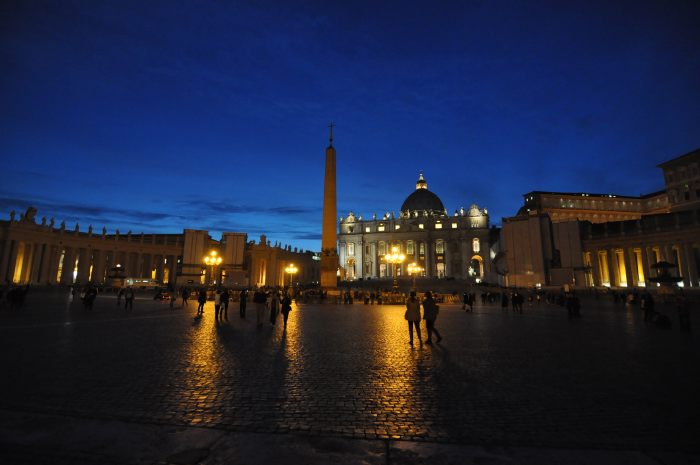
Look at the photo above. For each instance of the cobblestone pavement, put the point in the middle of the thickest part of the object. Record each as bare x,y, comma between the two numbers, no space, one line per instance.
498,378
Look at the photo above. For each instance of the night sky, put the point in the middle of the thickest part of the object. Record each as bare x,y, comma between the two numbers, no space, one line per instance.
159,116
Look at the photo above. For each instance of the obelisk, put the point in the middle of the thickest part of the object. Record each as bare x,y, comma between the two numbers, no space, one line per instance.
329,234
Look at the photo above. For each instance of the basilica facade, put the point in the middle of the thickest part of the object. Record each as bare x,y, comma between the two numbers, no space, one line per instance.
432,242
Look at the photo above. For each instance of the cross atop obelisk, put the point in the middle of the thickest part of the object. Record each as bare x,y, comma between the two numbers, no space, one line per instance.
329,234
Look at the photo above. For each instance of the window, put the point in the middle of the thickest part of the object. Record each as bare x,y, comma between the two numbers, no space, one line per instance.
351,248
440,247
421,248
366,229
420,226
438,225
380,227
382,248
454,225
409,248
476,247
366,250
397,227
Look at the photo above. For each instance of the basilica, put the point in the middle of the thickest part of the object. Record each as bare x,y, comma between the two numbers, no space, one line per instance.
431,242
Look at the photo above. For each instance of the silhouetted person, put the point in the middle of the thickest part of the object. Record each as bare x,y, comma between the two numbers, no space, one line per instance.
185,296
217,304
201,300
243,302
129,298
412,315
224,304
504,301
286,308
274,306
120,294
259,299
430,314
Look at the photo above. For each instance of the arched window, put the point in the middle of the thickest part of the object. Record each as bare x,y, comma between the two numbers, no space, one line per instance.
409,248
382,248
476,247
440,247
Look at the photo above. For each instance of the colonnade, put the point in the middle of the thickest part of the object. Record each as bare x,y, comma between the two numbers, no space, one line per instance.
41,255
631,266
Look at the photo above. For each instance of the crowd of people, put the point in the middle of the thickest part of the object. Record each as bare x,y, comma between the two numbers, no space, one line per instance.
267,301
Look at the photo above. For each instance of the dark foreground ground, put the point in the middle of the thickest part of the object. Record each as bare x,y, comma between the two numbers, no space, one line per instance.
342,384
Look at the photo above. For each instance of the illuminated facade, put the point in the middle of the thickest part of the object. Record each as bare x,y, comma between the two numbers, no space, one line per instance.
606,240
682,176
40,253
443,246
596,208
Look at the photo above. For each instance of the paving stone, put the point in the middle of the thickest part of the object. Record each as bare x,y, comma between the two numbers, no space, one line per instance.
497,378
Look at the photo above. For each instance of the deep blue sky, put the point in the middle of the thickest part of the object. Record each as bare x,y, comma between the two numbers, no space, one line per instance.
155,116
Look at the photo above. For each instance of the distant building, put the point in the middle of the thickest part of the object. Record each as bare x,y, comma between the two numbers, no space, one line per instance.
443,245
682,176
596,208
41,253
606,240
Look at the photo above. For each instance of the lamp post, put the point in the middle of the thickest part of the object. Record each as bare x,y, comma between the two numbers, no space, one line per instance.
413,270
395,257
292,270
212,260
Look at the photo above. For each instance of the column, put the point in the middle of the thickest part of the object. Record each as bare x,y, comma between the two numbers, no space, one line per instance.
595,265
665,251
12,263
98,266
43,276
688,263
645,265
68,265
613,266
631,267
4,260
52,267
158,263
430,259
692,265
37,259
84,265
146,266
446,256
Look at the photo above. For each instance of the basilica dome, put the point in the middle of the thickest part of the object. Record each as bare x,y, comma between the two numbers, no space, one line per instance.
422,200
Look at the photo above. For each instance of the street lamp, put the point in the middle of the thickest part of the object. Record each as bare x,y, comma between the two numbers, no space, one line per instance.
212,260
413,270
292,270
395,257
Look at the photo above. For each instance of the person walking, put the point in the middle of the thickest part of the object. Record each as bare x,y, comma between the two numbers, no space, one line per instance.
274,306
243,302
259,299
224,304
120,294
286,308
185,296
504,301
430,314
201,300
129,298
217,304
412,315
